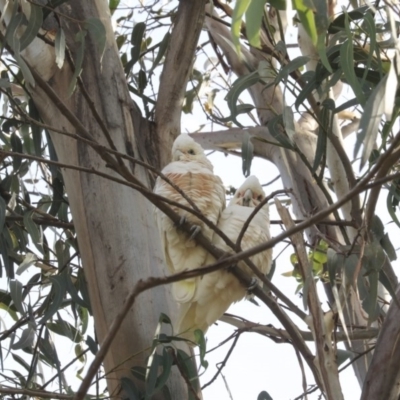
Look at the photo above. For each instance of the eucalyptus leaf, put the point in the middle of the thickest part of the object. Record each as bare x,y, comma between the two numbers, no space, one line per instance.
26,339
59,45
254,15
80,39
129,387
238,12
34,24
16,295
98,32
247,154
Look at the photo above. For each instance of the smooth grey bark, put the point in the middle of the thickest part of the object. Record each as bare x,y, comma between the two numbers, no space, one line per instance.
117,236
383,377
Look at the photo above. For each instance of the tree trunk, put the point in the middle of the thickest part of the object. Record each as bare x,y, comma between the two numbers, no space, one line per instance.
117,236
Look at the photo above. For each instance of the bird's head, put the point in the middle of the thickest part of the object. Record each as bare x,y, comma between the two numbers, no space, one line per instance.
250,194
186,149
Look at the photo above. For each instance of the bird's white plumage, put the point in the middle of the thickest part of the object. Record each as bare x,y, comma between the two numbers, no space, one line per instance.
193,173
215,292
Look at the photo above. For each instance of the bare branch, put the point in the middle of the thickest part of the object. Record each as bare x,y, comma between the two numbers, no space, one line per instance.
326,357
34,393
270,331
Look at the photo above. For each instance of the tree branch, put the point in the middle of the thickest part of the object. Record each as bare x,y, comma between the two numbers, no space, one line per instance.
34,393
177,68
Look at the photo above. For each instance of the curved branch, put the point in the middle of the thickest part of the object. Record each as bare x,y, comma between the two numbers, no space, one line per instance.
177,67
267,330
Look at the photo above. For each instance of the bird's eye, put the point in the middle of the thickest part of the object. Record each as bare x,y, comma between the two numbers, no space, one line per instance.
259,197
191,151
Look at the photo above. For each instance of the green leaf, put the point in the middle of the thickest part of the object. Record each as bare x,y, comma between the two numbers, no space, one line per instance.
166,361
343,355
385,281
8,263
98,31
59,46
369,122
34,230
188,366
347,63
324,129
3,207
34,24
161,51
264,396
56,296
293,65
391,202
58,193
113,4
338,24
388,247
306,16
321,49
276,131
16,295
36,130
254,16
92,345
373,261
136,40
305,92
238,12
240,85
28,260
81,282
151,375
74,293
288,121
201,341
16,145
52,4
26,339
64,328
11,36
20,361
247,154
128,386
79,38
49,351
369,26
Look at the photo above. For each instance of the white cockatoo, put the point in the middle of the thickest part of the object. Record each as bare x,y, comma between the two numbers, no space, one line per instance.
192,172
216,291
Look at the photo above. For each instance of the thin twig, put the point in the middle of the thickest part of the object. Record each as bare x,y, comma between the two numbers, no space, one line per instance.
254,213
303,373
223,363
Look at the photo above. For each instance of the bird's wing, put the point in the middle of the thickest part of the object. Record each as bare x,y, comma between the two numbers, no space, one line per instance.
215,292
207,192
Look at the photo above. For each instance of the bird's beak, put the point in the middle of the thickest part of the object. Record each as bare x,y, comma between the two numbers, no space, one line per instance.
248,196
177,155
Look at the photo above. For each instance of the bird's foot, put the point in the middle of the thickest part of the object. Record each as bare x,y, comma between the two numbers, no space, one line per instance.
252,285
195,229
182,221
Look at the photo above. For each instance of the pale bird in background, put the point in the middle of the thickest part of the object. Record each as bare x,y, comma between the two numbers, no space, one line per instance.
192,172
215,292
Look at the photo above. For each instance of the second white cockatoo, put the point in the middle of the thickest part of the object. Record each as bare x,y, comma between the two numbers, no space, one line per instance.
192,172
215,292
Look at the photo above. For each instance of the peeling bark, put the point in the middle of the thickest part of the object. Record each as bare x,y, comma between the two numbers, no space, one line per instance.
116,231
